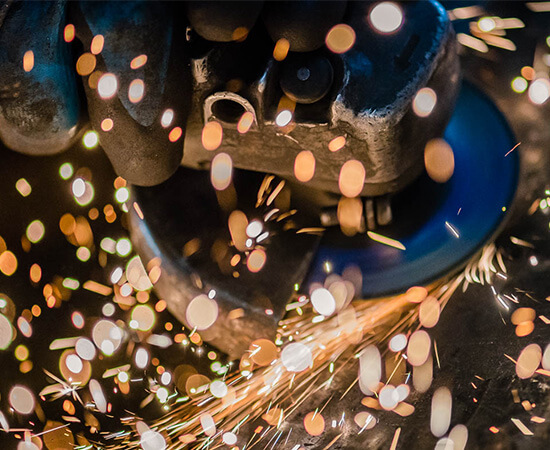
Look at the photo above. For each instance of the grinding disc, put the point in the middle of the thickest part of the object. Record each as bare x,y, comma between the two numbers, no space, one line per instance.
440,225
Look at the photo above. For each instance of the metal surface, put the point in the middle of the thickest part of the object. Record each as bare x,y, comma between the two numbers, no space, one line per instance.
369,102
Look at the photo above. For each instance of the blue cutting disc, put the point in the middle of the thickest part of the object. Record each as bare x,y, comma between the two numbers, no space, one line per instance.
428,216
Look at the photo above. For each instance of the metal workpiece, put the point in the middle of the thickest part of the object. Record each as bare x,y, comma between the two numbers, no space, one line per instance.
39,102
138,143
386,134
200,73
369,101
184,227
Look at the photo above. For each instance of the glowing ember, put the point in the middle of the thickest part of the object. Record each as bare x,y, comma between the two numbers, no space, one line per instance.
8,263
528,361
35,273
350,215
314,423
439,160
97,44
337,143
539,91
398,343
442,402
416,294
282,46
418,349
424,102
90,139
352,178
107,124
123,246
459,437
85,349
221,171
245,122
85,64
175,134
208,424
66,171
386,17
107,86
142,358
388,397
229,438
472,42
256,260
28,61
522,315
218,389
304,166
402,391
519,84
340,38
138,61
144,316
136,91
6,332
370,370
35,231
22,400
212,135
167,118
78,320
98,396
107,336
528,73
263,352
486,24
83,192
429,311
151,440
254,229
23,187
323,302
122,194
365,420
385,240
237,224
24,326
201,312
74,364
296,357
68,32
283,118
525,329
137,275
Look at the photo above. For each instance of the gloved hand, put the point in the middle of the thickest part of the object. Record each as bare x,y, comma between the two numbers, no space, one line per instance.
134,62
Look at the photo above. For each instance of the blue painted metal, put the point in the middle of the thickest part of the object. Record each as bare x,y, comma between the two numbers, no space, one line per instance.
481,188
